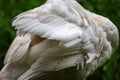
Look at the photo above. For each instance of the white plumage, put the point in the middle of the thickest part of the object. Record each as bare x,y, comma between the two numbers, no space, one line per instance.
56,36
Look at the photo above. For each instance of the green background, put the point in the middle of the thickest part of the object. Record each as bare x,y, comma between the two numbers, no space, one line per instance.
108,8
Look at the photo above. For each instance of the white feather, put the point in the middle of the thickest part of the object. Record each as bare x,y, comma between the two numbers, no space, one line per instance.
58,35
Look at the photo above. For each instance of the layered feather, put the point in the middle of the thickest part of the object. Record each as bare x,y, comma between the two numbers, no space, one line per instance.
58,35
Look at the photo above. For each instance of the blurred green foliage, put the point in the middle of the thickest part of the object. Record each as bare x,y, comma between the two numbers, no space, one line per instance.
108,8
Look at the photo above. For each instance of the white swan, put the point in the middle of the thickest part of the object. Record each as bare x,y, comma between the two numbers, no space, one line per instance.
59,35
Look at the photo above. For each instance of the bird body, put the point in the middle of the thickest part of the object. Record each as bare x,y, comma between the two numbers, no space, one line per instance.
58,35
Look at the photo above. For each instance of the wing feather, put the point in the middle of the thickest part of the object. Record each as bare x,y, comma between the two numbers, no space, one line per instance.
52,62
18,49
47,24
